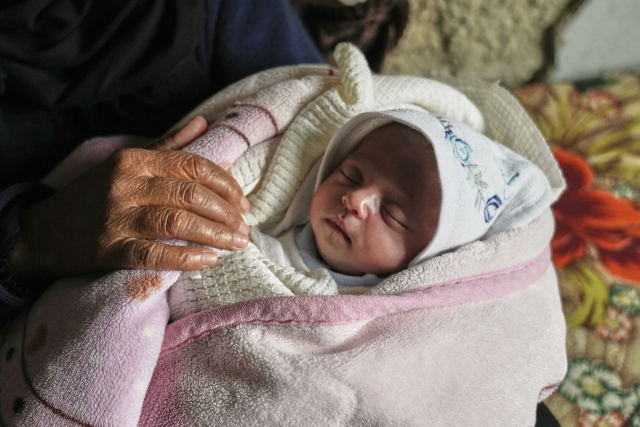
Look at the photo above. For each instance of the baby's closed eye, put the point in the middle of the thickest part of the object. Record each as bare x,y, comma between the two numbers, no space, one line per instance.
394,214
352,173
348,178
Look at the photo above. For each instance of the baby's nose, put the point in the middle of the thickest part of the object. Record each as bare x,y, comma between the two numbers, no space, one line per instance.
362,201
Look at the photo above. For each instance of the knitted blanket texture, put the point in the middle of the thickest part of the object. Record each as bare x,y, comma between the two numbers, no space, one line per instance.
470,337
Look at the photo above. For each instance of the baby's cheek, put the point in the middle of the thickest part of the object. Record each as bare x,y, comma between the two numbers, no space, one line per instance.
384,254
315,210
413,247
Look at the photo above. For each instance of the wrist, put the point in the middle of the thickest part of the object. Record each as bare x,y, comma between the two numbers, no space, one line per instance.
19,274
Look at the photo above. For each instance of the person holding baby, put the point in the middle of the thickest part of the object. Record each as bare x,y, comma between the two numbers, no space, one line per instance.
69,72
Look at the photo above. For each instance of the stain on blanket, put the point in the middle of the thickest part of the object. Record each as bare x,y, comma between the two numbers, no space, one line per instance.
141,286
37,340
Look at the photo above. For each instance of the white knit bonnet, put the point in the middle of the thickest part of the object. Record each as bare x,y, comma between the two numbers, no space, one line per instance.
486,187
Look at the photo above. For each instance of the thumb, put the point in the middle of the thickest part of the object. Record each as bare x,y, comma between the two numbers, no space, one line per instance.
192,130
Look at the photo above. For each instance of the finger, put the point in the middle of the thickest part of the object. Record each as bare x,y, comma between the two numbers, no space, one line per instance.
192,197
140,253
192,130
191,167
160,222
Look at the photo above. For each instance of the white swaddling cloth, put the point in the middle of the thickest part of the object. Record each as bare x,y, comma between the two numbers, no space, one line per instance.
327,126
486,188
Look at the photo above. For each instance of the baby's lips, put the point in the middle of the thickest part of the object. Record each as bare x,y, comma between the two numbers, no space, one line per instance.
340,224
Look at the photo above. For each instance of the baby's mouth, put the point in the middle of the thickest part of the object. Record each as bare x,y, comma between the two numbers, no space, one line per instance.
338,226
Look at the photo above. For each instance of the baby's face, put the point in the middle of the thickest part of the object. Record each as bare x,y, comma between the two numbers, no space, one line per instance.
380,207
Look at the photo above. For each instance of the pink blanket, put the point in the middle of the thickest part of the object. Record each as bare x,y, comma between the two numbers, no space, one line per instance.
472,337
99,355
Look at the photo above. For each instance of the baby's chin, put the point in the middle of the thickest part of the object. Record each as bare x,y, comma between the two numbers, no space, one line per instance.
338,264
345,265
342,267
345,261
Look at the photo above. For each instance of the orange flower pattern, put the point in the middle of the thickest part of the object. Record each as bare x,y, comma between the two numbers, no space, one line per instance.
585,215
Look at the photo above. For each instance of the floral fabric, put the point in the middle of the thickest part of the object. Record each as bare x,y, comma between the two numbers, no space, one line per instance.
594,130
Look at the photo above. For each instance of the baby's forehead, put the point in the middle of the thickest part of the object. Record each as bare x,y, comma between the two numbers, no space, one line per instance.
401,155
395,145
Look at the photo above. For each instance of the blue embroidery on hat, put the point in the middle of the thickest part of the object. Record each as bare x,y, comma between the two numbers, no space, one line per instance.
492,206
513,178
463,152
462,149
508,184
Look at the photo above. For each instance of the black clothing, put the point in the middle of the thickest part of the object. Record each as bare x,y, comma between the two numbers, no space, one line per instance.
74,69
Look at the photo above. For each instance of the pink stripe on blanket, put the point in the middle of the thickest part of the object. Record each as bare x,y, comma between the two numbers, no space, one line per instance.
342,309
255,122
240,127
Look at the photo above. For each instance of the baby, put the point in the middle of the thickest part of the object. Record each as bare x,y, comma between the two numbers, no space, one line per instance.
380,207
394,189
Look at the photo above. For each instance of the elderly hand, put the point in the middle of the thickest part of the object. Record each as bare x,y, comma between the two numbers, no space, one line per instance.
104,219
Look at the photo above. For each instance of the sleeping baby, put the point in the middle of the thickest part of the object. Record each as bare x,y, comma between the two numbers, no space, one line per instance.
394,189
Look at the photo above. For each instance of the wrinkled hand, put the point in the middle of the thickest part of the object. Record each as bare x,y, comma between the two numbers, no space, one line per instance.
105,218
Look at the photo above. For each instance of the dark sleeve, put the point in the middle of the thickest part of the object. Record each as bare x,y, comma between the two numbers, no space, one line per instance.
79,52
255,35
15,294
74,69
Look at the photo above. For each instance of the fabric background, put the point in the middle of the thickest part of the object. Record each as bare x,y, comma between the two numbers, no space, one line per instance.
594,130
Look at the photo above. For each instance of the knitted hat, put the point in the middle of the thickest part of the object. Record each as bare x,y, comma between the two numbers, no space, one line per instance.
486,187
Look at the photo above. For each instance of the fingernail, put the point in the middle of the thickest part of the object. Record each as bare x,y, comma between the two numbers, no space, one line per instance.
245,205
244,228
240,241
209,258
